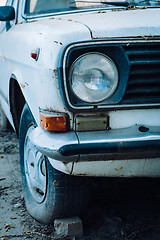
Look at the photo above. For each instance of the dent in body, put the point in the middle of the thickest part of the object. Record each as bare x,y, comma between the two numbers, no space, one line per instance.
61,166
49,143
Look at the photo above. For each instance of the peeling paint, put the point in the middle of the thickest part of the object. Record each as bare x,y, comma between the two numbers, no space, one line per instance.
23,85
50,110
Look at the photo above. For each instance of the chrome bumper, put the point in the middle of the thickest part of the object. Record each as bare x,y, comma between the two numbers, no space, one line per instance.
128,143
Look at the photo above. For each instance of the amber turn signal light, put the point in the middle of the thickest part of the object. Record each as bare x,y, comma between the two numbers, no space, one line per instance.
54,123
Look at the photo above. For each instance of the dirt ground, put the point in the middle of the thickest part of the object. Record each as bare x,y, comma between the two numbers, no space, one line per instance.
121,209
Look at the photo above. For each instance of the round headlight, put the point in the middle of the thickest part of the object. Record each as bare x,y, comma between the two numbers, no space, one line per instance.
93,77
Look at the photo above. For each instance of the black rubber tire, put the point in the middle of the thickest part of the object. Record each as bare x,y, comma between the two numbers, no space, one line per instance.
68,197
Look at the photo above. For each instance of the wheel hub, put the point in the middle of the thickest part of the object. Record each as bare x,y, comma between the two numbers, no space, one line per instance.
35,169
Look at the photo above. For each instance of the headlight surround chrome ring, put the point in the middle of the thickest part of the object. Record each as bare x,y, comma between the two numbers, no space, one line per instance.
93,77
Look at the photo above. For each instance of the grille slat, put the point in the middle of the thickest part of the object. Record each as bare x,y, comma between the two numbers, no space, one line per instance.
145,62
140,82
146,72
143,91
144,78
143,53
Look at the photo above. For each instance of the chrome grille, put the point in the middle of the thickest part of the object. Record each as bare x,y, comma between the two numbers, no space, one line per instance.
144,79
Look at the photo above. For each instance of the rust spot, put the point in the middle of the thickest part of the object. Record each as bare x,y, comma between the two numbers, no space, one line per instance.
55,71
146,37
55,183
116,169
142,8
22,85
32,21
135,8
116,10
20,23
58,42
59,18
81,174
101,12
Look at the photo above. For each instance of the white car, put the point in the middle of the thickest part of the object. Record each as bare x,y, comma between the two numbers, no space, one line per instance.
80,84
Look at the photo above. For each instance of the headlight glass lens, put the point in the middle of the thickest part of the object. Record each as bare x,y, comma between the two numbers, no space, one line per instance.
93,77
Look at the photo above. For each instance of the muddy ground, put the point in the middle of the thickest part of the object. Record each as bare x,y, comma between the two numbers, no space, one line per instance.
121,209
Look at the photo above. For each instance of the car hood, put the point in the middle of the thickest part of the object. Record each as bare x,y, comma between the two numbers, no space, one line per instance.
120,23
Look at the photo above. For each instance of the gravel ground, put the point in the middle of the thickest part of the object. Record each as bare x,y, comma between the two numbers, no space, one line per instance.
122,209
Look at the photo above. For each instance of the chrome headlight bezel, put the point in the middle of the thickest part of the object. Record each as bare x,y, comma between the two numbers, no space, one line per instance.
102,75
73,52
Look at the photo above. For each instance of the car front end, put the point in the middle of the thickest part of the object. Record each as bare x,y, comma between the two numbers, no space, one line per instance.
82,90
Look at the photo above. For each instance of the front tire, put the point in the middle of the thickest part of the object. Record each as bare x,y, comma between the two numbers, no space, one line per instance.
48,193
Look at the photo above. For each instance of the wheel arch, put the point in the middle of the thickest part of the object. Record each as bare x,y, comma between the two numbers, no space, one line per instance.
17,101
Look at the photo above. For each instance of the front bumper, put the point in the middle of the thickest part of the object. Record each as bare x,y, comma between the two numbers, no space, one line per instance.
125,152
128,143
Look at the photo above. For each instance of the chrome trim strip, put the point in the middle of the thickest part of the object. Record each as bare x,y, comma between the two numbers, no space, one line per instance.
127,41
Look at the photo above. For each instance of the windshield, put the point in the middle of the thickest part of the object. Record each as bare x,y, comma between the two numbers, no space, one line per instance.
51,6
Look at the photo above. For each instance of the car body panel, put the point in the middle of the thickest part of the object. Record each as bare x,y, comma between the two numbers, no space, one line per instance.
39,81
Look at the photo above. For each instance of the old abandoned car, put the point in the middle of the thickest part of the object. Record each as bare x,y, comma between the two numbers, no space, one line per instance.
80,84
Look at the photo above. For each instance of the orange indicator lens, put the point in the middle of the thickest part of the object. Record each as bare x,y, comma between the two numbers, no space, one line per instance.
56,123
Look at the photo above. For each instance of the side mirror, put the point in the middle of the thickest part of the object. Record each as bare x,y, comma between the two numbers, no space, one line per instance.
7,13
